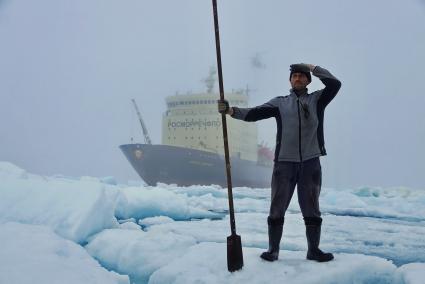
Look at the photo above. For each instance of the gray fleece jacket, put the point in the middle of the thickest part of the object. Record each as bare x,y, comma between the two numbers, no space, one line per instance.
299,119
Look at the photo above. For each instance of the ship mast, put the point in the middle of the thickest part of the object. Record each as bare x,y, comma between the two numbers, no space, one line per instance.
210,80
145,130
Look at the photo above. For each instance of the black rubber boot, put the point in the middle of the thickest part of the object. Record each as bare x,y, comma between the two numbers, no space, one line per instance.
313,227
275,227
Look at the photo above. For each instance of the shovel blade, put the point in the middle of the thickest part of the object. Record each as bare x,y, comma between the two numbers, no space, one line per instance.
234,253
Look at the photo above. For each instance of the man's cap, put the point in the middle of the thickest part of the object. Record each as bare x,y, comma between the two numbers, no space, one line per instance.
300,68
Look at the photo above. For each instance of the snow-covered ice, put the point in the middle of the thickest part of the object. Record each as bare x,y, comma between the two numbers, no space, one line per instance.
142,202
35,254
137,253
93,230
206,263
74,209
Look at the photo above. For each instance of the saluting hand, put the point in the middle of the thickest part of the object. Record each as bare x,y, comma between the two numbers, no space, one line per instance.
309,66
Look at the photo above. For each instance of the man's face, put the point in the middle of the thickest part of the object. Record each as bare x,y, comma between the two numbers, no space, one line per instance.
299,81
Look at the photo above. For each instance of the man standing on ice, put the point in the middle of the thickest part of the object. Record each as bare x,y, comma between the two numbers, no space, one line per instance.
299,144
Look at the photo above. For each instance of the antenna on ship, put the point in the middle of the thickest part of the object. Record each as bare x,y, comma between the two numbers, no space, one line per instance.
247,90
210,80
145,130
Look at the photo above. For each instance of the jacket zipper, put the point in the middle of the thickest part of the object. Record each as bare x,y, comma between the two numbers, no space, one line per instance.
299,130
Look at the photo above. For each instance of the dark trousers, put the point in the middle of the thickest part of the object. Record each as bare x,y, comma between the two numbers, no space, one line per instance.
307,176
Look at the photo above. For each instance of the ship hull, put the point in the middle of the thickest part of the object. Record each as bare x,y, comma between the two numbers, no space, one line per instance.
184,167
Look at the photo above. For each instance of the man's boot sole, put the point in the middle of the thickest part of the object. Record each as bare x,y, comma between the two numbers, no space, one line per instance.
268,257
320,260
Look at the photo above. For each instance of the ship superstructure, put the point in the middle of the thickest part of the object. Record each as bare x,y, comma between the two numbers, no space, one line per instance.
192,121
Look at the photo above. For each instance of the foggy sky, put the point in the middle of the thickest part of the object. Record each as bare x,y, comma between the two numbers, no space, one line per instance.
68,70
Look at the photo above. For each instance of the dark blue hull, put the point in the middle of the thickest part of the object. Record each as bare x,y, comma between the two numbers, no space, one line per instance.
183,166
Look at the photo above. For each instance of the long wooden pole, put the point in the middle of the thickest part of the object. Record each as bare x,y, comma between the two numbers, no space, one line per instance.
224,122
